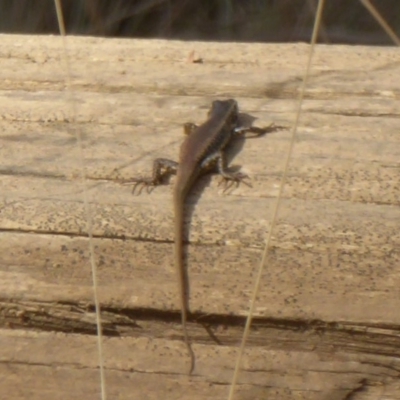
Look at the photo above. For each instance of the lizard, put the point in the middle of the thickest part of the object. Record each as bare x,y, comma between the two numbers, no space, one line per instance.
201,151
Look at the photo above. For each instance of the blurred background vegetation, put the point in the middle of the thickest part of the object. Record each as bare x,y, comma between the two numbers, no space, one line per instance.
344,21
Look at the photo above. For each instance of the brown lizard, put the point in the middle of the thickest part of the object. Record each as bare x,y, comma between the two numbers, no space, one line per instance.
201,151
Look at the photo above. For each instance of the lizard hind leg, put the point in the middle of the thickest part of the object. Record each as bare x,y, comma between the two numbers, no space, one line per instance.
162,168
230,178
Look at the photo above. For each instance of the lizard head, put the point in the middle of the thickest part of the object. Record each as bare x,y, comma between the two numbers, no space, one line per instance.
227,109
224,106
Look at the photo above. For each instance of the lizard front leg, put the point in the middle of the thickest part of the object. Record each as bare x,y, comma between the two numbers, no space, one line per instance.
162,168
242,130
228,178
189,128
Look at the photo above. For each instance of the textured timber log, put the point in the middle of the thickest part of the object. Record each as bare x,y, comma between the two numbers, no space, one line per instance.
327,320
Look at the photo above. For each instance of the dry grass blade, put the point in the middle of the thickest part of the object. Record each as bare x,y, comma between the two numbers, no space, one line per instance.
374,12
277,204
89,222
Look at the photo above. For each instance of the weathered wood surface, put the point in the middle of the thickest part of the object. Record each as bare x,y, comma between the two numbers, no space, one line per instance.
327,319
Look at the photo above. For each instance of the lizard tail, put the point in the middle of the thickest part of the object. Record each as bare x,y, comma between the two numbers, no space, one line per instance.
181,271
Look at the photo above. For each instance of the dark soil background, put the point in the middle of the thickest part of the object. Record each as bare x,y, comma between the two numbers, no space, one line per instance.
344,21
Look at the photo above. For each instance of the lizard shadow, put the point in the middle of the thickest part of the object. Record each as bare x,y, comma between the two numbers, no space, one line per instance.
244,128
233,148
237,144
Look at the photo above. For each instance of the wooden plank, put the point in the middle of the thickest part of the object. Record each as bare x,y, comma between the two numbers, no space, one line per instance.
64,366
326,322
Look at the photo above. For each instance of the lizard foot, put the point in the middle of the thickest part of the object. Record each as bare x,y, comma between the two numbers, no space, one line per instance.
230,179
140,184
